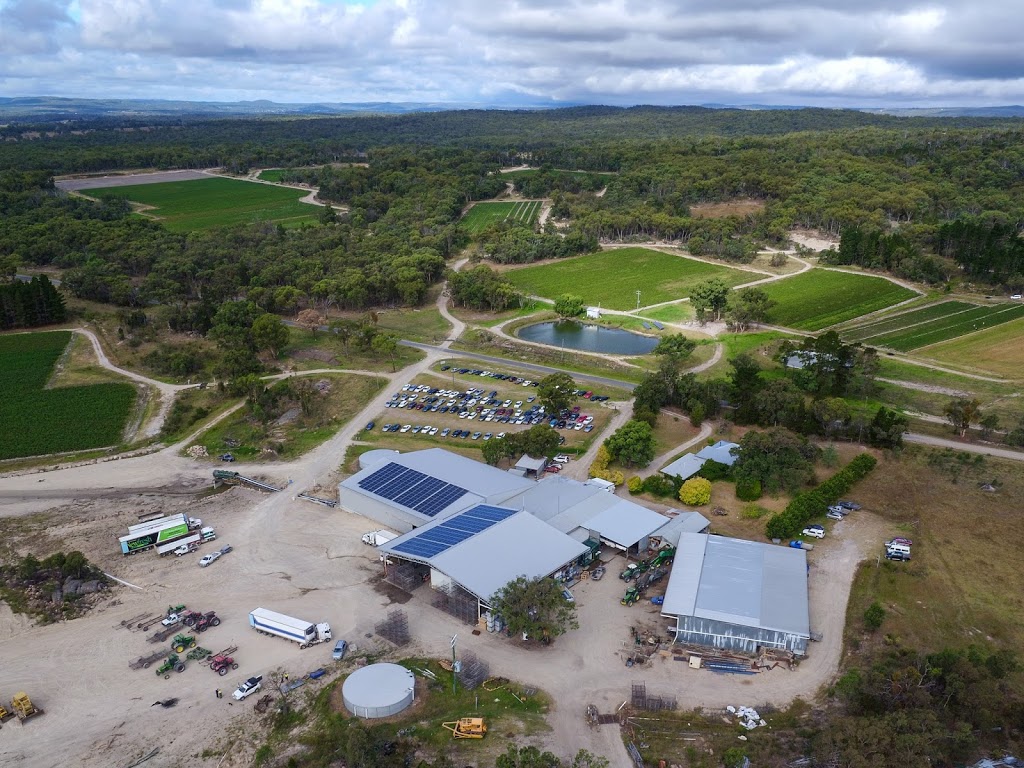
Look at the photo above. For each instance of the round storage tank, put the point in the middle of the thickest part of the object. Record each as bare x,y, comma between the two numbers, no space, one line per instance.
376,456
379,690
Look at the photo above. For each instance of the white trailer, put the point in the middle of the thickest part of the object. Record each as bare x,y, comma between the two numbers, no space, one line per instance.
305,633
157,533
376,538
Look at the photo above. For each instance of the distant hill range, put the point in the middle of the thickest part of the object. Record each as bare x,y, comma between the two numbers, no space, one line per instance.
46,108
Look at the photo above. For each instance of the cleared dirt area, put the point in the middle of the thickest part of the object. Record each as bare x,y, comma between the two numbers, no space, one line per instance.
728,208
98,182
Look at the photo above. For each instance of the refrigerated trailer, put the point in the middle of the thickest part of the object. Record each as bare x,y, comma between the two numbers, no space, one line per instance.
305,633
154,534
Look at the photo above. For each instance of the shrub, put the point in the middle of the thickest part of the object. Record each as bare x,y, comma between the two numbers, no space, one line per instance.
696,491
659,485
636,484
748,490
714,470
815,502
874,616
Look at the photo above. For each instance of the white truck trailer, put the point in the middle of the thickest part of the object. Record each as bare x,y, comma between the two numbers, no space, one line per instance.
305,633
376,538
155,533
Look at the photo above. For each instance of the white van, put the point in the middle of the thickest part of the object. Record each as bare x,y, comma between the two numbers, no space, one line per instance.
898,549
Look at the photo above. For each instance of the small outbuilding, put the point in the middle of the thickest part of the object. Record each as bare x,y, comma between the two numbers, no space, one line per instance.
685,467
531,467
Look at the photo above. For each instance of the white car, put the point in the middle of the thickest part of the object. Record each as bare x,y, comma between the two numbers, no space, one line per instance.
561,459
248,688
816,532
205,560
406,428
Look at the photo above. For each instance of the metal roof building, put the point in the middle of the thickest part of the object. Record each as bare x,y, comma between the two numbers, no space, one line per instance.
414,488
685,467
720,452
684,522
485,547
738,595
587,511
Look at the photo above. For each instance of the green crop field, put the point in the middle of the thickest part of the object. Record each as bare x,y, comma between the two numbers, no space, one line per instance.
272,174
962,319
869,332
39,421
216,202
819,298
611,278
483,215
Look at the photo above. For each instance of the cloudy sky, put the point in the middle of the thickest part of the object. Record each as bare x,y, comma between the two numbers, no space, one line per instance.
507,52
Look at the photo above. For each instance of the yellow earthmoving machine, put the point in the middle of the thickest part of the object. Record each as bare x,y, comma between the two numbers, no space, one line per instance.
5,714
23,707
467,728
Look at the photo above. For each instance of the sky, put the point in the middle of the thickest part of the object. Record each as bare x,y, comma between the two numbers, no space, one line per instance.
519,52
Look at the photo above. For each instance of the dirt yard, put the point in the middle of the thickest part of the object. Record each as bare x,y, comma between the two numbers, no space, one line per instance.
307,560
730,208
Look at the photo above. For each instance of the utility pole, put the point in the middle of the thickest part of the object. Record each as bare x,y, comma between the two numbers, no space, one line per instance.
454,676
638,299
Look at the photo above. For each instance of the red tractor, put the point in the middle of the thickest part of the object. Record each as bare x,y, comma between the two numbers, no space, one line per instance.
190,617
206,621
221,663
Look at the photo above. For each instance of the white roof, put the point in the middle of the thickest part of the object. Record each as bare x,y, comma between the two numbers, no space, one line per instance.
685,467
520,545
739,582
684,522
530,463
720,452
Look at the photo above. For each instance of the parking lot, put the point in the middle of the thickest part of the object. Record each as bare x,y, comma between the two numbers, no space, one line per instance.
426,409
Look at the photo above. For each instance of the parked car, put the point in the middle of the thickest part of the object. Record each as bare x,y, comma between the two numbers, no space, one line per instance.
185,549
899,540
834,515
340,648
370,426
225,549
553,468
205,560
851,505
839,510
817,533
248,688
900,556
561,459
226,457
476,435
568,596
406,428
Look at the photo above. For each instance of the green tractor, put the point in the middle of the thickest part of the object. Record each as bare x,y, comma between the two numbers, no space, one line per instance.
631,596
181,642
631,572
173,662
664,557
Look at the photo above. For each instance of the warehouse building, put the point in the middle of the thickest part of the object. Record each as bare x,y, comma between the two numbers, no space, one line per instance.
738,595
404,491
481,549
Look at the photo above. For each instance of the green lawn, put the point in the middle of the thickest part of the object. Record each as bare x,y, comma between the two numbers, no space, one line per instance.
611,278
672,313
819,298
272,174
216,202
39,421
483,215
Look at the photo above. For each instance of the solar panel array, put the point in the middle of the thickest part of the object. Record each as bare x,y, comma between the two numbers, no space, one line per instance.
432,541
427,495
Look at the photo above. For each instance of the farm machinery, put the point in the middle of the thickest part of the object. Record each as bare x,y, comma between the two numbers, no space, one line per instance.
24,708
161,635
172,663
5,714
467,728
222,662
181,642
206,621
631,596
144,662
198,654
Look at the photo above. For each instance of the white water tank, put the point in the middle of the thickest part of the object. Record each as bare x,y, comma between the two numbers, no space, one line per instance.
379,690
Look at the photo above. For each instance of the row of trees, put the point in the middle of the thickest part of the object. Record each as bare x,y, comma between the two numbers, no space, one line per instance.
30,304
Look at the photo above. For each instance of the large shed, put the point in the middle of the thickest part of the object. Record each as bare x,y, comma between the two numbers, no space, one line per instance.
484,548
414,488
738,595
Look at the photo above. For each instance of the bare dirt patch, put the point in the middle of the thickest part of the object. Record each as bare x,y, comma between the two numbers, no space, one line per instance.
728,208
98,182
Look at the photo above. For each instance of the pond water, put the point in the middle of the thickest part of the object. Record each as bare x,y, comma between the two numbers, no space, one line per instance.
588,338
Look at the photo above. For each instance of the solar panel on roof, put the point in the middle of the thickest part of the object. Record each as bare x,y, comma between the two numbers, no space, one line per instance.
400,484
382,476
440,500
433,541
420,492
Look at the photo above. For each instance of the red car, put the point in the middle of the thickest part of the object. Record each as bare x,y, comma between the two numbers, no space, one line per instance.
552,468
